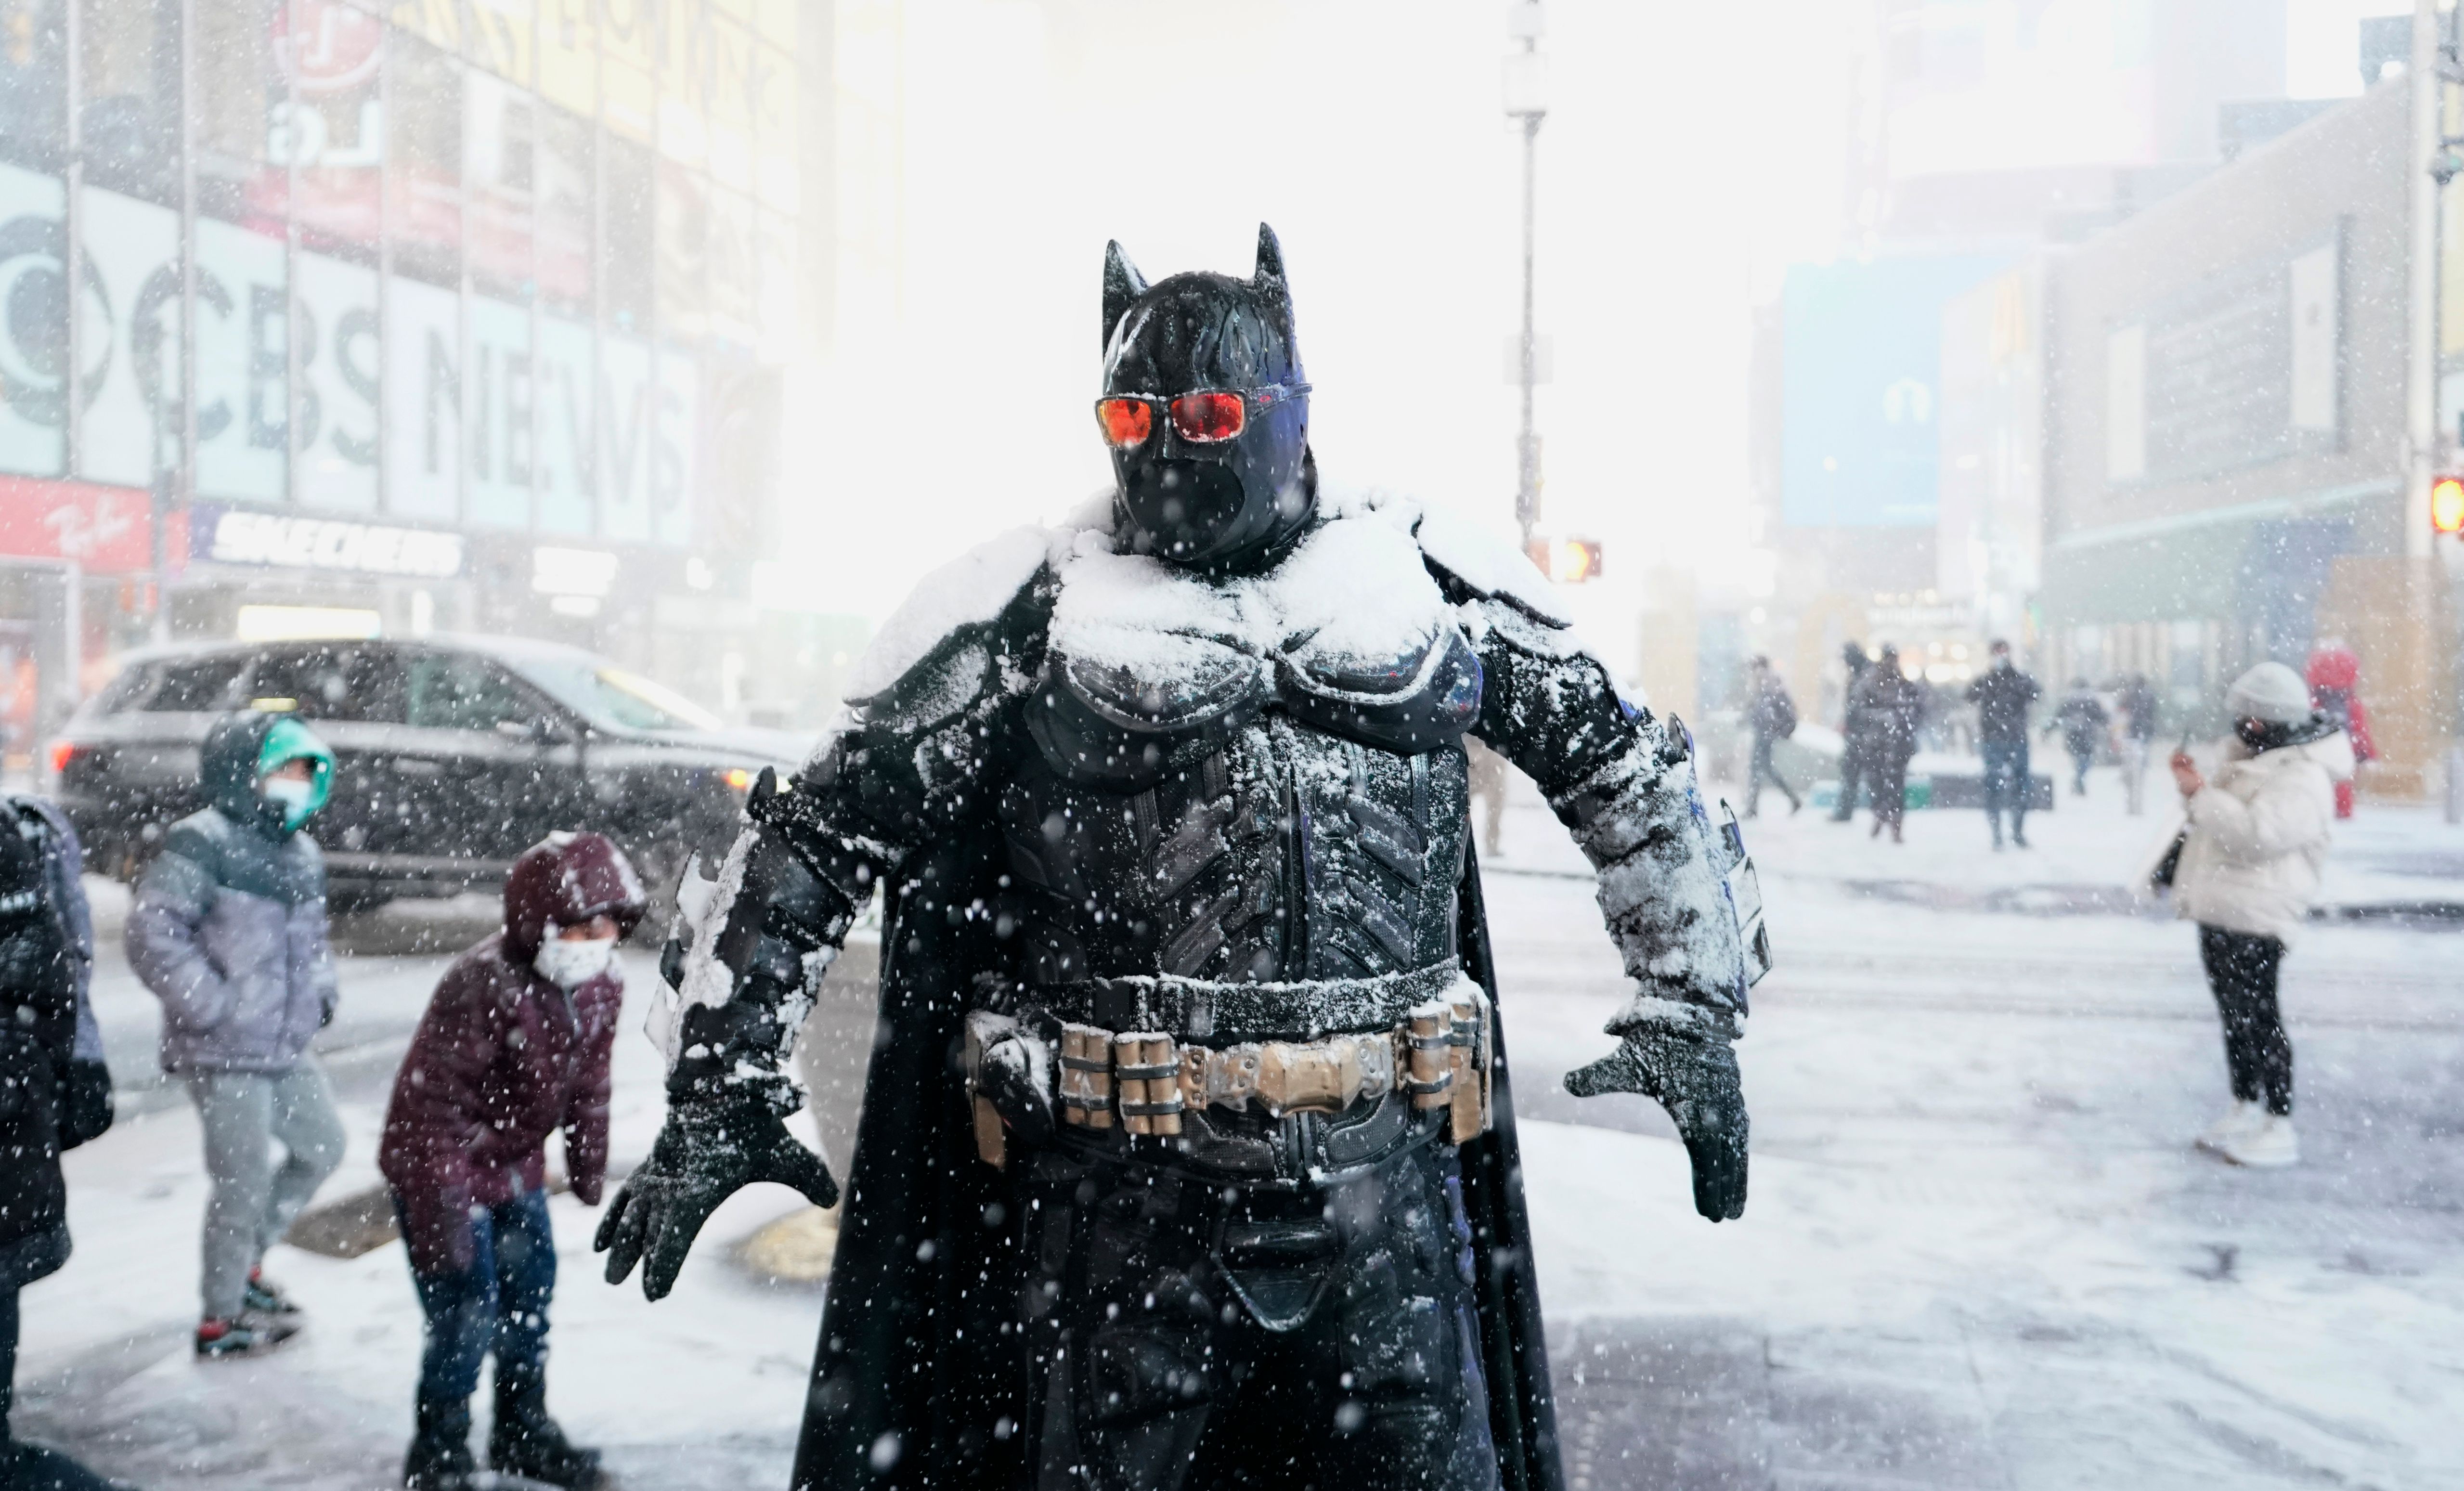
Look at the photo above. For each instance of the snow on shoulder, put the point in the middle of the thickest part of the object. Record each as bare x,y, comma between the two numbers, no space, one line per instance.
970,590
1489,564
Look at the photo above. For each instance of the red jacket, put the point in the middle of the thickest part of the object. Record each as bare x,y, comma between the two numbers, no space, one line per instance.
503,1058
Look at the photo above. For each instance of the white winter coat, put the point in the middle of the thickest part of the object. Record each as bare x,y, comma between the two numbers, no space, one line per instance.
2259,833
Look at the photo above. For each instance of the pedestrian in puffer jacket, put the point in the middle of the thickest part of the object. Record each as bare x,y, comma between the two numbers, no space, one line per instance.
2257,841
229,929
55,1090
515,1045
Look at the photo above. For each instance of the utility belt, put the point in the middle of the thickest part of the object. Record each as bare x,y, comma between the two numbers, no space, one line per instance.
1435,1051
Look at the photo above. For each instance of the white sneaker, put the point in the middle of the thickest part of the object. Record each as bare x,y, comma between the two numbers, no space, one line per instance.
2244,1116
2270,1146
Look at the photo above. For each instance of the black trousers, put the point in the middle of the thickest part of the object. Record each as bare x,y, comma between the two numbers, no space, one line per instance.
1886,780
30,1468
2241,973
1760,771
1190,1335
1853,770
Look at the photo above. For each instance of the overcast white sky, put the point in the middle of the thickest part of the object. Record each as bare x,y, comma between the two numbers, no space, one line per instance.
1692,149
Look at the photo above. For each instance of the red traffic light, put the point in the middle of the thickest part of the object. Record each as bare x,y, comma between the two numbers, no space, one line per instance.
2446,504
1569,561
1575,561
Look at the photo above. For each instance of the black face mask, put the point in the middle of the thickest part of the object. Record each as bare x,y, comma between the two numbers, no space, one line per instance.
1230,503
2262,736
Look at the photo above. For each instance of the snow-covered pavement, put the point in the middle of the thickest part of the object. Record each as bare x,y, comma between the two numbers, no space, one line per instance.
1979,1253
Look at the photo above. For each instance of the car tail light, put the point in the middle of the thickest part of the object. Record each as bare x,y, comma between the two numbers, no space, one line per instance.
62,751
739,779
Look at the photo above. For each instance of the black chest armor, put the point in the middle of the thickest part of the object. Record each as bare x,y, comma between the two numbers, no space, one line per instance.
1287,853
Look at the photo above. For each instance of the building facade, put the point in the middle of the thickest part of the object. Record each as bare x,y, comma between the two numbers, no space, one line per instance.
2224,433
440,313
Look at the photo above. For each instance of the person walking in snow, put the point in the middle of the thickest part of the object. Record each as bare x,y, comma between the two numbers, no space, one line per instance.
2081,719
2259,818
2002,695
1887,710
515,1046
1771,716
1852,742
55,1090
229,930
2139,712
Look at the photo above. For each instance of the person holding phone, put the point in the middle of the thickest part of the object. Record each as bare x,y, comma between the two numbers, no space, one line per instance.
2259,814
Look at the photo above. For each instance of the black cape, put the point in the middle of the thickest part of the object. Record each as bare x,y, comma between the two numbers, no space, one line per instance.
918,1382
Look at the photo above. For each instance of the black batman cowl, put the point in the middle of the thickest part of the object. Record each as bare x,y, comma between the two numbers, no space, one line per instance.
1234,505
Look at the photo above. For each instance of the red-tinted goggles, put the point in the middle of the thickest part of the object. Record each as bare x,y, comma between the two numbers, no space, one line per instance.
1208,416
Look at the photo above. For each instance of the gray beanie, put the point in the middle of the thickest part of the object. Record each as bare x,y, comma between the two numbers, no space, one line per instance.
2272,693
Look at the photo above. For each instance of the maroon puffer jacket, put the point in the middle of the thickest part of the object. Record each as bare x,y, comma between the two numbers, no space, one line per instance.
503,1056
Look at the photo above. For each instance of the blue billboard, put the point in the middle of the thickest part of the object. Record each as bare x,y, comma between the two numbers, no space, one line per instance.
1860,388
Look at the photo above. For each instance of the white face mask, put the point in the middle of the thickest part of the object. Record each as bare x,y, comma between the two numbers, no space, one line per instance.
569,965
291,797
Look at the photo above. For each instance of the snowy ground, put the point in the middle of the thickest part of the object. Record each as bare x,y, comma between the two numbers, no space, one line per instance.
1980,1252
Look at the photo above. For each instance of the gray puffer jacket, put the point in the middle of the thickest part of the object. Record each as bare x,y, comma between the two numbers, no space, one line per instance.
229,928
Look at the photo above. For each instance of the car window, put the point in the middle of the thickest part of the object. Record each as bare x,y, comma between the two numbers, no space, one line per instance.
126,690
605,691
359,685
450,692
196,685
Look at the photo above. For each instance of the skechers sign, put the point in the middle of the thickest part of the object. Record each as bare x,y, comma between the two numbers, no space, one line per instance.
227,535
492,416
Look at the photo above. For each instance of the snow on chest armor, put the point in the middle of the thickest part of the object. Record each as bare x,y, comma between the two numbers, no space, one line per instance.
1155,667
1245,777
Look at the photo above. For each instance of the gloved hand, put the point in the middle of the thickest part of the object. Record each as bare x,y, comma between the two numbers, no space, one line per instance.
1691,1071
711,1147
85,1102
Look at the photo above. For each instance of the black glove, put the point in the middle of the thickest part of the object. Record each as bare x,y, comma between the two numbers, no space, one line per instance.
1012,1075
1691,1072
85,1106
714,1145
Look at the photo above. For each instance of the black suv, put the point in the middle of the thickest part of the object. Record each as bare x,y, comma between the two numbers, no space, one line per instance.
453,755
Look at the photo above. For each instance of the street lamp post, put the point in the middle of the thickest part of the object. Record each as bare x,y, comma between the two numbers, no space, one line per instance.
1526,103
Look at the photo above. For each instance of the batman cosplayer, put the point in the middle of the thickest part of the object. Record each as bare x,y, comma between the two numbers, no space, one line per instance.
1188,1158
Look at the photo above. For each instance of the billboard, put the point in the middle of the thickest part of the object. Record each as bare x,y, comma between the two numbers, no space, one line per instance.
582,433
2242,368
1862,389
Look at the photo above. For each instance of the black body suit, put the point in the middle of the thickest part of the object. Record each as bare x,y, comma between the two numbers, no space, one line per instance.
1196,767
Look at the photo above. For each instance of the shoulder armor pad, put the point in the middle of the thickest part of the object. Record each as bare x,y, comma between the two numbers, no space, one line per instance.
1476,560
968,592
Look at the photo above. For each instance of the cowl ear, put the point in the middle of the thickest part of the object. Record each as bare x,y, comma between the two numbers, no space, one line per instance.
1270,262
1122,285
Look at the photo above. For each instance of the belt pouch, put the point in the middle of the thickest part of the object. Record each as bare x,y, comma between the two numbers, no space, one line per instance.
1467,1061
1147,1067
1429,1039
1085,1076
992,1141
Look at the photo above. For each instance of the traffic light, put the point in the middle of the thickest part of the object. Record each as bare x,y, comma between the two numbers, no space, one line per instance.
2446,504
1574,560
1569,561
